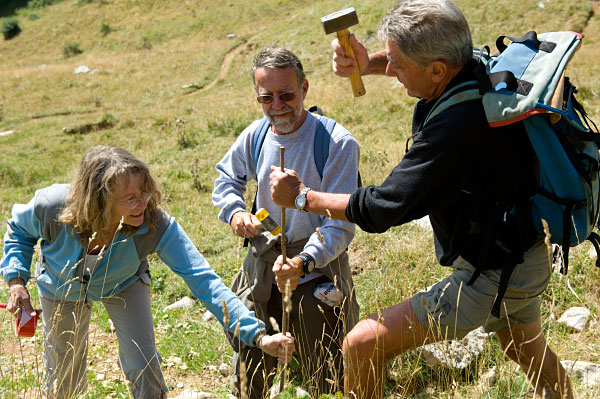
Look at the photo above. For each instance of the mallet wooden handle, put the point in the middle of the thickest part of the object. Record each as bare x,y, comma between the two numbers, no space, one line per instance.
358,88
286,315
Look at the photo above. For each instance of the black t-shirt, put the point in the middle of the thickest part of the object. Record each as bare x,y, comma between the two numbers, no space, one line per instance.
459,171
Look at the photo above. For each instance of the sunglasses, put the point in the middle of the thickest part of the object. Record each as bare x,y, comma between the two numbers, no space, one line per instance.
268,98
135,202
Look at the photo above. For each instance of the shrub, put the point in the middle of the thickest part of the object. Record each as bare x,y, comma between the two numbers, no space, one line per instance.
71,49
41,3
10,28
105,29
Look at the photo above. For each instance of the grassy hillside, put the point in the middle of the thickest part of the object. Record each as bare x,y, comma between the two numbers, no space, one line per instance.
145,53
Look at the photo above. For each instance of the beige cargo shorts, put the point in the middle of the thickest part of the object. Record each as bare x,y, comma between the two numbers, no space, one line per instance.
451,308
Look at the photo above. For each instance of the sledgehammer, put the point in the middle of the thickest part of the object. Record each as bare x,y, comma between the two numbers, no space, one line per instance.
339,22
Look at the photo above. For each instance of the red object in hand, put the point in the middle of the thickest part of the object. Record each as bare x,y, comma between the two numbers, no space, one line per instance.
26,329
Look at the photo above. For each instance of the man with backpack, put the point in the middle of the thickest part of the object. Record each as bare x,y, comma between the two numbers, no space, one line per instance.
469,178
324,306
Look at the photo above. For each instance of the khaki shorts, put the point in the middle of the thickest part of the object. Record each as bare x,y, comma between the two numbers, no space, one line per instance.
451,308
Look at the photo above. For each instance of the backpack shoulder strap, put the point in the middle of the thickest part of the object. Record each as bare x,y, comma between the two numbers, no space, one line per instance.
461,93
323,134
259,139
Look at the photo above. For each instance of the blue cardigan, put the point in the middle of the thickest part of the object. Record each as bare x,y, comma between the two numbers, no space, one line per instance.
59,273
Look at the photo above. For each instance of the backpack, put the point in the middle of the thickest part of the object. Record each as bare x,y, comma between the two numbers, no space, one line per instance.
525,82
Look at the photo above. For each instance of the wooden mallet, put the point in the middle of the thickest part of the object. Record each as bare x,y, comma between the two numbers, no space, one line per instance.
339,22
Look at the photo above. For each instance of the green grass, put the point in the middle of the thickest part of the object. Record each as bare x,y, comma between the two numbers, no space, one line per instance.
151,50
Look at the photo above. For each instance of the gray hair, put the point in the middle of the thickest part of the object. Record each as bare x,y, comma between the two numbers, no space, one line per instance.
277,58
88,207
428,30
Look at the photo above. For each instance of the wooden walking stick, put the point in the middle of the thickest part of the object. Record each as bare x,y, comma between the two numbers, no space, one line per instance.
286,305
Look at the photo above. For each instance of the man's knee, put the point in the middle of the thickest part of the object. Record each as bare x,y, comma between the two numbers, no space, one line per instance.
360,342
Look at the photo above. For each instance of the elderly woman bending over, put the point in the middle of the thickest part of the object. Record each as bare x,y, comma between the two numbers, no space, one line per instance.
95,236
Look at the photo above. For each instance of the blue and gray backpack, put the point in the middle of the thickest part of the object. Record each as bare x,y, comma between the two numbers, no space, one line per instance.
526,82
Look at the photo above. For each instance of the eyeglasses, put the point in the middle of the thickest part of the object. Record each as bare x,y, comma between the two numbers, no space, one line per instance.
135,202
268,98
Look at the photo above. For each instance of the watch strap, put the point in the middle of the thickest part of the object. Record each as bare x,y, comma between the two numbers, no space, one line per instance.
306,260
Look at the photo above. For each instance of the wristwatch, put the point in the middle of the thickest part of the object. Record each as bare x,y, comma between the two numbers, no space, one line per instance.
300,200
308,263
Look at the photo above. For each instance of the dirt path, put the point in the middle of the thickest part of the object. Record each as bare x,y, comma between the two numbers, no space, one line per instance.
224,67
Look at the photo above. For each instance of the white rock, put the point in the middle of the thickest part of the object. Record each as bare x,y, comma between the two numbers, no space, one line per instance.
489,378
179,385
231,36
7,132
588,373
423,223
94,71
174,360
191,394
99,377
541,4
576,317
184,303
455,354
225,370
81,69
301,393
208,316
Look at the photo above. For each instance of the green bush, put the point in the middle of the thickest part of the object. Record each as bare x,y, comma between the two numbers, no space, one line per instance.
10,28
41,3
71,49
105,29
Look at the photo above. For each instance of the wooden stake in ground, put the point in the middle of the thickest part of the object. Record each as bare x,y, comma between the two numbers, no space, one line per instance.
286,306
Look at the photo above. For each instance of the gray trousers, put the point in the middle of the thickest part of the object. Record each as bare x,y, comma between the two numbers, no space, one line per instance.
66,327
318,331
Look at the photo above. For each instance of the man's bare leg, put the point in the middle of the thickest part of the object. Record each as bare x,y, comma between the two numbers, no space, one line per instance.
526,345
375,340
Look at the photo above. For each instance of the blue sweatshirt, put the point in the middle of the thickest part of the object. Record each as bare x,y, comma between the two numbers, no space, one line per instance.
60,270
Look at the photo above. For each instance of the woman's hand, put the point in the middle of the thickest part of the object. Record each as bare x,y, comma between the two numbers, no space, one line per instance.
19,298
278,346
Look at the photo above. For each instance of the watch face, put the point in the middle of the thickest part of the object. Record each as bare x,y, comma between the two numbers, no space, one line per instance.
311,266
300,201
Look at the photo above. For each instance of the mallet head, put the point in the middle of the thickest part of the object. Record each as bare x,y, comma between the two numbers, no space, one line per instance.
267,222
339,20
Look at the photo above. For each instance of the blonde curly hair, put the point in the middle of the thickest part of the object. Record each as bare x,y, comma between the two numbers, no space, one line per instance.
88,207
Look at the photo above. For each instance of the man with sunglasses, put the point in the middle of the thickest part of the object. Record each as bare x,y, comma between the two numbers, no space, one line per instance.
321,310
